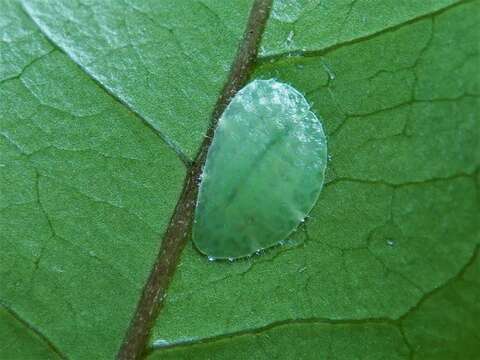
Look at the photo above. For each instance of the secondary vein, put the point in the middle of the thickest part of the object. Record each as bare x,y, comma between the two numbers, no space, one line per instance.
322,51
34,330
165,139
178,231
396,322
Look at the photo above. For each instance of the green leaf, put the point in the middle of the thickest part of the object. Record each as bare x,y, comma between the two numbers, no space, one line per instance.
263,173
81,205
443,326
315,25
20,341
162,60
95,124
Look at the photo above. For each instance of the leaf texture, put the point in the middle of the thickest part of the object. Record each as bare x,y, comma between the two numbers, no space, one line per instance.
101,105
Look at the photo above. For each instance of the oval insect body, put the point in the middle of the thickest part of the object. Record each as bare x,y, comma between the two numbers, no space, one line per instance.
263,174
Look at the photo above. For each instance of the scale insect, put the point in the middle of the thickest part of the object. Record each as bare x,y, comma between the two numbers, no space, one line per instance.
264,171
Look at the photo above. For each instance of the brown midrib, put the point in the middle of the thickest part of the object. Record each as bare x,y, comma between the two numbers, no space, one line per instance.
178,230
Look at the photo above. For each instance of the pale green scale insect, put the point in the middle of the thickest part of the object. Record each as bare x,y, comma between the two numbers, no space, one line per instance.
263,174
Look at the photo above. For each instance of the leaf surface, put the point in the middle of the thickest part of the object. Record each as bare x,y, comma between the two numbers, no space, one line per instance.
95,122
81,206
161,59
